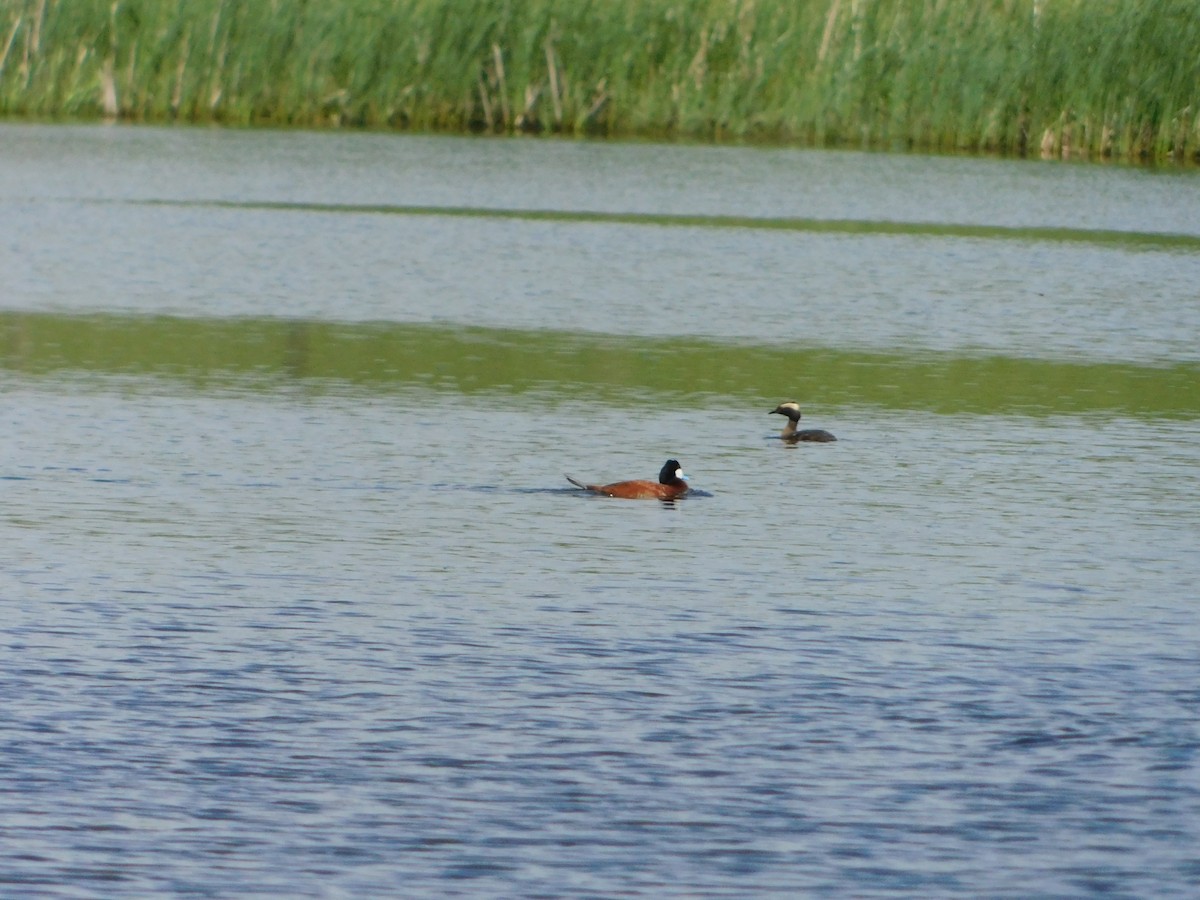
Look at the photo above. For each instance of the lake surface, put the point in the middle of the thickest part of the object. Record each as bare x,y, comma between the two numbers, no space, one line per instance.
297,601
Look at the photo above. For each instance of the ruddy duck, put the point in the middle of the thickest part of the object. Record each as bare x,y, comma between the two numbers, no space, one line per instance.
672,483
790,433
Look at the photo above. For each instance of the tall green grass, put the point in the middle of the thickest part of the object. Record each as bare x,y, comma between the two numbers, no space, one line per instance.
1053,77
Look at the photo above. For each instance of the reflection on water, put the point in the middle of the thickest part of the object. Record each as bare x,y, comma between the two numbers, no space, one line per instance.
296,601
1153,240
377,357
369,642
858,252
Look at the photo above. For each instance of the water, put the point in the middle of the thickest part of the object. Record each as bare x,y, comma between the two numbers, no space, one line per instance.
297,601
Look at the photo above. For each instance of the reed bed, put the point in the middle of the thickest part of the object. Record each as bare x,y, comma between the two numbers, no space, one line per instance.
1104,78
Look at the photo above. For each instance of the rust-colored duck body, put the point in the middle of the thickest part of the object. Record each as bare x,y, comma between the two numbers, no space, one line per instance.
671,484
794,435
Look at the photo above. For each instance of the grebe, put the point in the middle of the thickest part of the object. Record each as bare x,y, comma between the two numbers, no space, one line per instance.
790,433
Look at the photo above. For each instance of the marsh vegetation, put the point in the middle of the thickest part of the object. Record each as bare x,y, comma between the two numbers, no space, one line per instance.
1051,77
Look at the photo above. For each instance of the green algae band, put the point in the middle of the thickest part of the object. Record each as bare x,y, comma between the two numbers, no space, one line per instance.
264,354
1129,240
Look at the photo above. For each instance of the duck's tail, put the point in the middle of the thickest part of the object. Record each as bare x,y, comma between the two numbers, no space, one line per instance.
578,484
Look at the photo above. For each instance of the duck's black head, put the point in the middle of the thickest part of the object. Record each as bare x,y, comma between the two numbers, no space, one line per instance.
791,409
671,473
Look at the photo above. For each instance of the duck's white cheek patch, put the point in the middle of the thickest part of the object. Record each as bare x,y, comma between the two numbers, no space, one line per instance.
679,474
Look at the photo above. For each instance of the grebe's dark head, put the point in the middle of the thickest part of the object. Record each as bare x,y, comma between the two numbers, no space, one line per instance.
671,473
791,409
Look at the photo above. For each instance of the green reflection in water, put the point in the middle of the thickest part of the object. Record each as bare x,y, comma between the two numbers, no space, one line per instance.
262,354
1144,240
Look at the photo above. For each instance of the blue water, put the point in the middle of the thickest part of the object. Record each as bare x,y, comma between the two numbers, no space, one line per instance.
352,640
